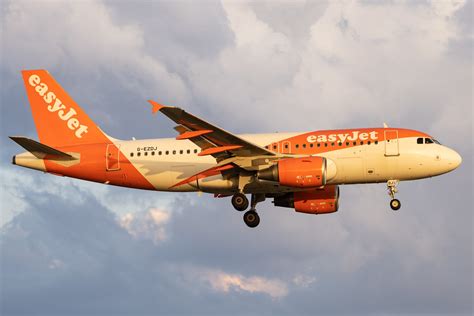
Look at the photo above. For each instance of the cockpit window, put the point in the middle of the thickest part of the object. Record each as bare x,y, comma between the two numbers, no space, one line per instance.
427,140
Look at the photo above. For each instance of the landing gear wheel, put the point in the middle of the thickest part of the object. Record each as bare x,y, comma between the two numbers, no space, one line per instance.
395,204
240,202
251,218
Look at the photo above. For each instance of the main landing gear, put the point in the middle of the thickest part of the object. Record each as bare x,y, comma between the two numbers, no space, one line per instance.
240,203
392,189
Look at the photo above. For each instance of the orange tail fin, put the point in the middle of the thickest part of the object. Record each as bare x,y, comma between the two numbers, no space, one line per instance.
59,120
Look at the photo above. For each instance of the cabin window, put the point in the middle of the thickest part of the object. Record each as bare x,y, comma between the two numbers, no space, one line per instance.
286,146
304,145
138,154
174,152
325,144
146,153
311,145
419,140
376,142
347,143
195,151
297,146
354,143
167,152
340,144
368,142
180,152
332,144
362,142
188,151
152,153
319,145
159,153
131,154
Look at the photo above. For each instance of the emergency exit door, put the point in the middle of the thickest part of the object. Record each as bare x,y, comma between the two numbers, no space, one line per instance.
391,143
112,157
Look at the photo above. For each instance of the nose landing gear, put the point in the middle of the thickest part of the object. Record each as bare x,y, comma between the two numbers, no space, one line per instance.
240,203
392,189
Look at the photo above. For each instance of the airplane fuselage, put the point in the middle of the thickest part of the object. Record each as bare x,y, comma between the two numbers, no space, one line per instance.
354,156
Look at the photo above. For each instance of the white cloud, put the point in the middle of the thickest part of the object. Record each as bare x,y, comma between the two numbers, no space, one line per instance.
225,282
121,201
55,264
302,280
14,193
361,62
82,37
149,224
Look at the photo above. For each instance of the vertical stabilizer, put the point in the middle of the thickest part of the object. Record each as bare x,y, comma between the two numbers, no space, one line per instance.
59,120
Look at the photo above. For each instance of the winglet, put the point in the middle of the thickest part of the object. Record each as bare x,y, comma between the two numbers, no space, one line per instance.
155,106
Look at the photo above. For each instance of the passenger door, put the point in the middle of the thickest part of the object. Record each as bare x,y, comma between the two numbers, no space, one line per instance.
112,157
391,143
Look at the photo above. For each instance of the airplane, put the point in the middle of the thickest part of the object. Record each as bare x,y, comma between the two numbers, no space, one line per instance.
302,171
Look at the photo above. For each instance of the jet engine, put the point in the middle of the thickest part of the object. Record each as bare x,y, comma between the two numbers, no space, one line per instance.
319,201
306,172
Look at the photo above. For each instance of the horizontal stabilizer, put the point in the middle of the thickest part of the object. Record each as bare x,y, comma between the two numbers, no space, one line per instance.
39,150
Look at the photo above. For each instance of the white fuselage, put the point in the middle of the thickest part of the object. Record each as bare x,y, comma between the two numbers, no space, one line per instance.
165,162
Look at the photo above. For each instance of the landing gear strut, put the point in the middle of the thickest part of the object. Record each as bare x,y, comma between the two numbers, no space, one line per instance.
392,189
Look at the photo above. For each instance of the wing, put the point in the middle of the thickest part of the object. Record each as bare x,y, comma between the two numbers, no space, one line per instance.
212,140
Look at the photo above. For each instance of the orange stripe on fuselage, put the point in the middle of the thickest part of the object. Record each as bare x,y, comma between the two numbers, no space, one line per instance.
331,140
92,167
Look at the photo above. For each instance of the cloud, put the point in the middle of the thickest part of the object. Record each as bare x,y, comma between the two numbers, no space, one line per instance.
113,47
125,204
337,73
225,282
147,224
303,280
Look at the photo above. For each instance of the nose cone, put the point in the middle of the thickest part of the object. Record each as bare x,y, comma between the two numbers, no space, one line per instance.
453,159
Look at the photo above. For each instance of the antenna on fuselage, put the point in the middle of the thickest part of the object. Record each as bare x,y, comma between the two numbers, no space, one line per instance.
385,125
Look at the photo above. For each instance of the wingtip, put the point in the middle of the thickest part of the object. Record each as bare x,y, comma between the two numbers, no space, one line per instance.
155,106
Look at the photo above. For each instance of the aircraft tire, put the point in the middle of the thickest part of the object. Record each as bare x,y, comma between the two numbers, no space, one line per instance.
251,219
240,202
395,204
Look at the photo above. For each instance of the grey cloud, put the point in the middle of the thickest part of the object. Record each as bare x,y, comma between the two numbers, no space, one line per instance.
294,19
74,253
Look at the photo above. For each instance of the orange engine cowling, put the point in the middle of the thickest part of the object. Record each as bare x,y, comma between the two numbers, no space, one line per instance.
307,172
319,201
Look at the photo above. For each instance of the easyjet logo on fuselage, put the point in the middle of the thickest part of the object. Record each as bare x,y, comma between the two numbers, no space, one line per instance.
341,138
67,114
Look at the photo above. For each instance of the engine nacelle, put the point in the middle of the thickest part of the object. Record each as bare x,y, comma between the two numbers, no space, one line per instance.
319,201
307,172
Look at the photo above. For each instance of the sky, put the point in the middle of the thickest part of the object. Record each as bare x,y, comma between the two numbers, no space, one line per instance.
76,248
